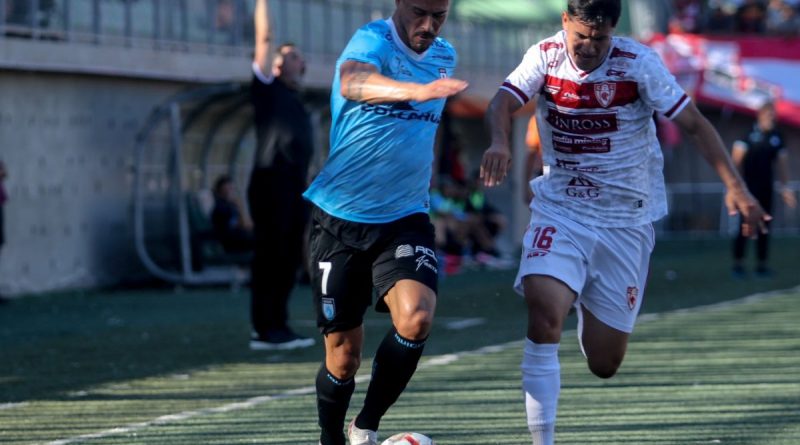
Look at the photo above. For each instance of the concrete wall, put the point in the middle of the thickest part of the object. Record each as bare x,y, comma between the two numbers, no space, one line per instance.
67,141
69,115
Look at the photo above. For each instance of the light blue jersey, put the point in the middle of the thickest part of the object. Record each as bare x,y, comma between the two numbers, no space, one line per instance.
379,166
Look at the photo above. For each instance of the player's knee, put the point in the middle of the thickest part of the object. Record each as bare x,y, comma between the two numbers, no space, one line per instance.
344,364
544,329
415,325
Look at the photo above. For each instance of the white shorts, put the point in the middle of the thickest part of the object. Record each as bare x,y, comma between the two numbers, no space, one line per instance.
606,267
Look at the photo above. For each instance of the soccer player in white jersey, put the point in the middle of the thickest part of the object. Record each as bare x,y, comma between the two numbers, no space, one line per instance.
590,236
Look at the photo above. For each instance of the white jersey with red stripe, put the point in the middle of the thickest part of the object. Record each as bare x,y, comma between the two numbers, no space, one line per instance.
604,162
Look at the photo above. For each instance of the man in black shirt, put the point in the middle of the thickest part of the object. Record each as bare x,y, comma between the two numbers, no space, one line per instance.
755,155
284,147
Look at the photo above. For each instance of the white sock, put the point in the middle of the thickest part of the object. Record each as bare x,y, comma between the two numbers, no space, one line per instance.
541,381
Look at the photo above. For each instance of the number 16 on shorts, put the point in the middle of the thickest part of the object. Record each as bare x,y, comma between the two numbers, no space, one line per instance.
541,240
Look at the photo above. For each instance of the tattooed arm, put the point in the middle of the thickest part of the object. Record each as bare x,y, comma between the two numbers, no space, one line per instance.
361,82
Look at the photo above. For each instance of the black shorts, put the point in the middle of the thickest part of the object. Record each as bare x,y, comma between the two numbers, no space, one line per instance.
350,261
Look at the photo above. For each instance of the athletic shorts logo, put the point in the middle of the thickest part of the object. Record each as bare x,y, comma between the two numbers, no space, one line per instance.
442,73
403,251
328,308
427,259
632,294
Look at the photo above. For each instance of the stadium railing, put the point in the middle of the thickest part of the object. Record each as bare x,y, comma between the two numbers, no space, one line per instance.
697,209
320,27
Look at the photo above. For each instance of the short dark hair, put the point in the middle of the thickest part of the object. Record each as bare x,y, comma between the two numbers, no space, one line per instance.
595,12
221,181
766,106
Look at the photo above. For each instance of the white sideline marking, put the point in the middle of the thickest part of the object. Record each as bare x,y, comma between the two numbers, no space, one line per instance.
429,363
12,405
457,325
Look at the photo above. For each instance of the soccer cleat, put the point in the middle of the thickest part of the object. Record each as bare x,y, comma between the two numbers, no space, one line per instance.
357,436
279,340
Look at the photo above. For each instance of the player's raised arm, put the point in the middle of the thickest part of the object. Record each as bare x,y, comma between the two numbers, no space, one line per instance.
738,199
263,36
361,82
496,159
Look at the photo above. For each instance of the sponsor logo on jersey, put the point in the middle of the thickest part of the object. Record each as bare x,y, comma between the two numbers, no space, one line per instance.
328,308
584,123
616,52
604,92
582,188
610,93
632,294
564,143
401,110
575,166
447,57
403,251
615,73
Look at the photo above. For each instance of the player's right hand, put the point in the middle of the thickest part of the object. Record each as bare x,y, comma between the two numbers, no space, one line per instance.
439,89
494,166
754,218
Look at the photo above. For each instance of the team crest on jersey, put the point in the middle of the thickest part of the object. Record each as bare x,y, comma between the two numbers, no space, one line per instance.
632,294
604,92
442,73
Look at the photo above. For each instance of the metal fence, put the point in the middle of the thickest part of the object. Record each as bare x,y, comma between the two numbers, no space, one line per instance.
320,27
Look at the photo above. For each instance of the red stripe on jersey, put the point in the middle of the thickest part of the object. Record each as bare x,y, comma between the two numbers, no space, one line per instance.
610,93
669,113
518,92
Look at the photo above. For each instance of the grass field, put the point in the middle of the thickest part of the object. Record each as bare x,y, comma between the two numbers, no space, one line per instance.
160,367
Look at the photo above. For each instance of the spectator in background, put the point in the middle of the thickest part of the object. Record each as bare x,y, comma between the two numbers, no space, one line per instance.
782,18
751,17
284,145
485,223
756,155
232,228
687,16
3,199
449,218
719,18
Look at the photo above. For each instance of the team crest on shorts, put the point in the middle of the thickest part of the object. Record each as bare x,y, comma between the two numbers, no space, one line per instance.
632,295
328,308
604,92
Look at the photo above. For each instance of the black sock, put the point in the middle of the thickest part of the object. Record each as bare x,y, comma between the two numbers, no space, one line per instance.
394,364
333,398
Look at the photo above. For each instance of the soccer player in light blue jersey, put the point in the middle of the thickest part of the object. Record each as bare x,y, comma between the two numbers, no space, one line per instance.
371,230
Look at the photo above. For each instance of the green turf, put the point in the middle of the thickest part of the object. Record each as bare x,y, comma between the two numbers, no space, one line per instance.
77,364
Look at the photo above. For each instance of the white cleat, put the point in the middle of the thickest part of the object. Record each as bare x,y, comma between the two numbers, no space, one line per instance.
357,436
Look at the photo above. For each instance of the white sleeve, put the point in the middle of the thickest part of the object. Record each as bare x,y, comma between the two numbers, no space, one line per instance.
526,80
658,87
266,79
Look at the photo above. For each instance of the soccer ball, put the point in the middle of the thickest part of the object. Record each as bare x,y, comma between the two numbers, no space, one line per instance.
409,439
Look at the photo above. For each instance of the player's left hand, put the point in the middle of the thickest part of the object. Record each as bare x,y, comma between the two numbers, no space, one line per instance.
754,218
494,166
